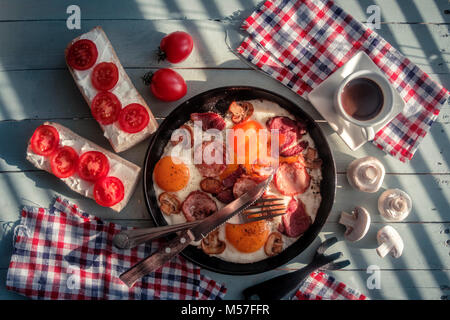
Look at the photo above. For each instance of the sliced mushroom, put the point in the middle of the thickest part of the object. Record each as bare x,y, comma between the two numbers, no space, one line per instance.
240,111
366,174
169,203
274,244
357,224
211,244
394,205
390,241
311,159
211,185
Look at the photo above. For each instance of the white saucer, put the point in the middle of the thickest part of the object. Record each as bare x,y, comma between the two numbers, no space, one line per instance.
322,99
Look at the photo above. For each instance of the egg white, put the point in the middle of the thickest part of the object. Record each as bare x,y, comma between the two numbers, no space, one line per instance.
263,110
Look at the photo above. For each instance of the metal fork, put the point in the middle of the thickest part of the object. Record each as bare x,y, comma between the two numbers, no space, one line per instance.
263,208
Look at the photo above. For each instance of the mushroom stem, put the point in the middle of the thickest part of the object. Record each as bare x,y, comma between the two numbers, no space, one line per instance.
370,172
398,203
384,249
347,219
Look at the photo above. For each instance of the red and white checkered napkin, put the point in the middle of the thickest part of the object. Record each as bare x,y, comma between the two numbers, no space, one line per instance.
65,253
301,42
320,286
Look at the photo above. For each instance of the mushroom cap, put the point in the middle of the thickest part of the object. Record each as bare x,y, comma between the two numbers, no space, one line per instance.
389,235
357,223
366,174
394,205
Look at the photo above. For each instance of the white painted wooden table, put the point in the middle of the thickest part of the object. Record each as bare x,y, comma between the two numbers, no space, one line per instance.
36,86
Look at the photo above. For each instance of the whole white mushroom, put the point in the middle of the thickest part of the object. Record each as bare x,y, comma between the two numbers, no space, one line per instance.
356,223
366,174
394,205
389,241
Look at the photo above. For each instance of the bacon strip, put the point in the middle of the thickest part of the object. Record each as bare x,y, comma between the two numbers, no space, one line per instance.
296,220
291,179
209,120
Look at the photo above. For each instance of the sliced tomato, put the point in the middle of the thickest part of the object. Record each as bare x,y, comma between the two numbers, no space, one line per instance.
108,191
133,118
93,165
63,162
44,140
105,107
82,54
105,76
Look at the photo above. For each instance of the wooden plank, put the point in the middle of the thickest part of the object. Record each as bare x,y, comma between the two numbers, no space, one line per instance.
426,247
14,154
38,188
424,44
57,96
426,244
395,285
392,11
430,196
431,157
46,94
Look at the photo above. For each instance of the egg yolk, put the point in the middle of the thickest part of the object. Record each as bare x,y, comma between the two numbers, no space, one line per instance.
248,237
249,142
171,176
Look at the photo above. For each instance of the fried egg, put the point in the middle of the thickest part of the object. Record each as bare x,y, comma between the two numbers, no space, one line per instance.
248,237
171,174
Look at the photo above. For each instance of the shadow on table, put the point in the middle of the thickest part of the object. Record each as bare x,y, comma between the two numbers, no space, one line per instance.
431,49
6,250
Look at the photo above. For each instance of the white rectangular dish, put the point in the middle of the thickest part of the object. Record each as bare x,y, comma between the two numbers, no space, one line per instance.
322,98
124,90
120,168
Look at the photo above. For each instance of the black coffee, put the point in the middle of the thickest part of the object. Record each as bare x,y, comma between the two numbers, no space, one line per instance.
362,99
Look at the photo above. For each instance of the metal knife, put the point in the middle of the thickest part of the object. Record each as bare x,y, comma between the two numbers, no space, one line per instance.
197,233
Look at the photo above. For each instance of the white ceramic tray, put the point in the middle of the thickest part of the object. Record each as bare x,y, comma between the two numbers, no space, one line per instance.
322,99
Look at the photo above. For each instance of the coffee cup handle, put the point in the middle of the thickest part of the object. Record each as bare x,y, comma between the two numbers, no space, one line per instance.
369,133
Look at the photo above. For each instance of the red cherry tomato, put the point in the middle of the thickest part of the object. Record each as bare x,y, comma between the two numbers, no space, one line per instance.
176,47
64,162
105,76
133,118
167,85
108,191
93,165
105,107
82,54
45,140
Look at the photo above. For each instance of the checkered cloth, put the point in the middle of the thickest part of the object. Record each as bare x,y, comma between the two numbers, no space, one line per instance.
301,42
65,253
320,286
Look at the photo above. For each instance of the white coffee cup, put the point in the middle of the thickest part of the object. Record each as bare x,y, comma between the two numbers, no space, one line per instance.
386,108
